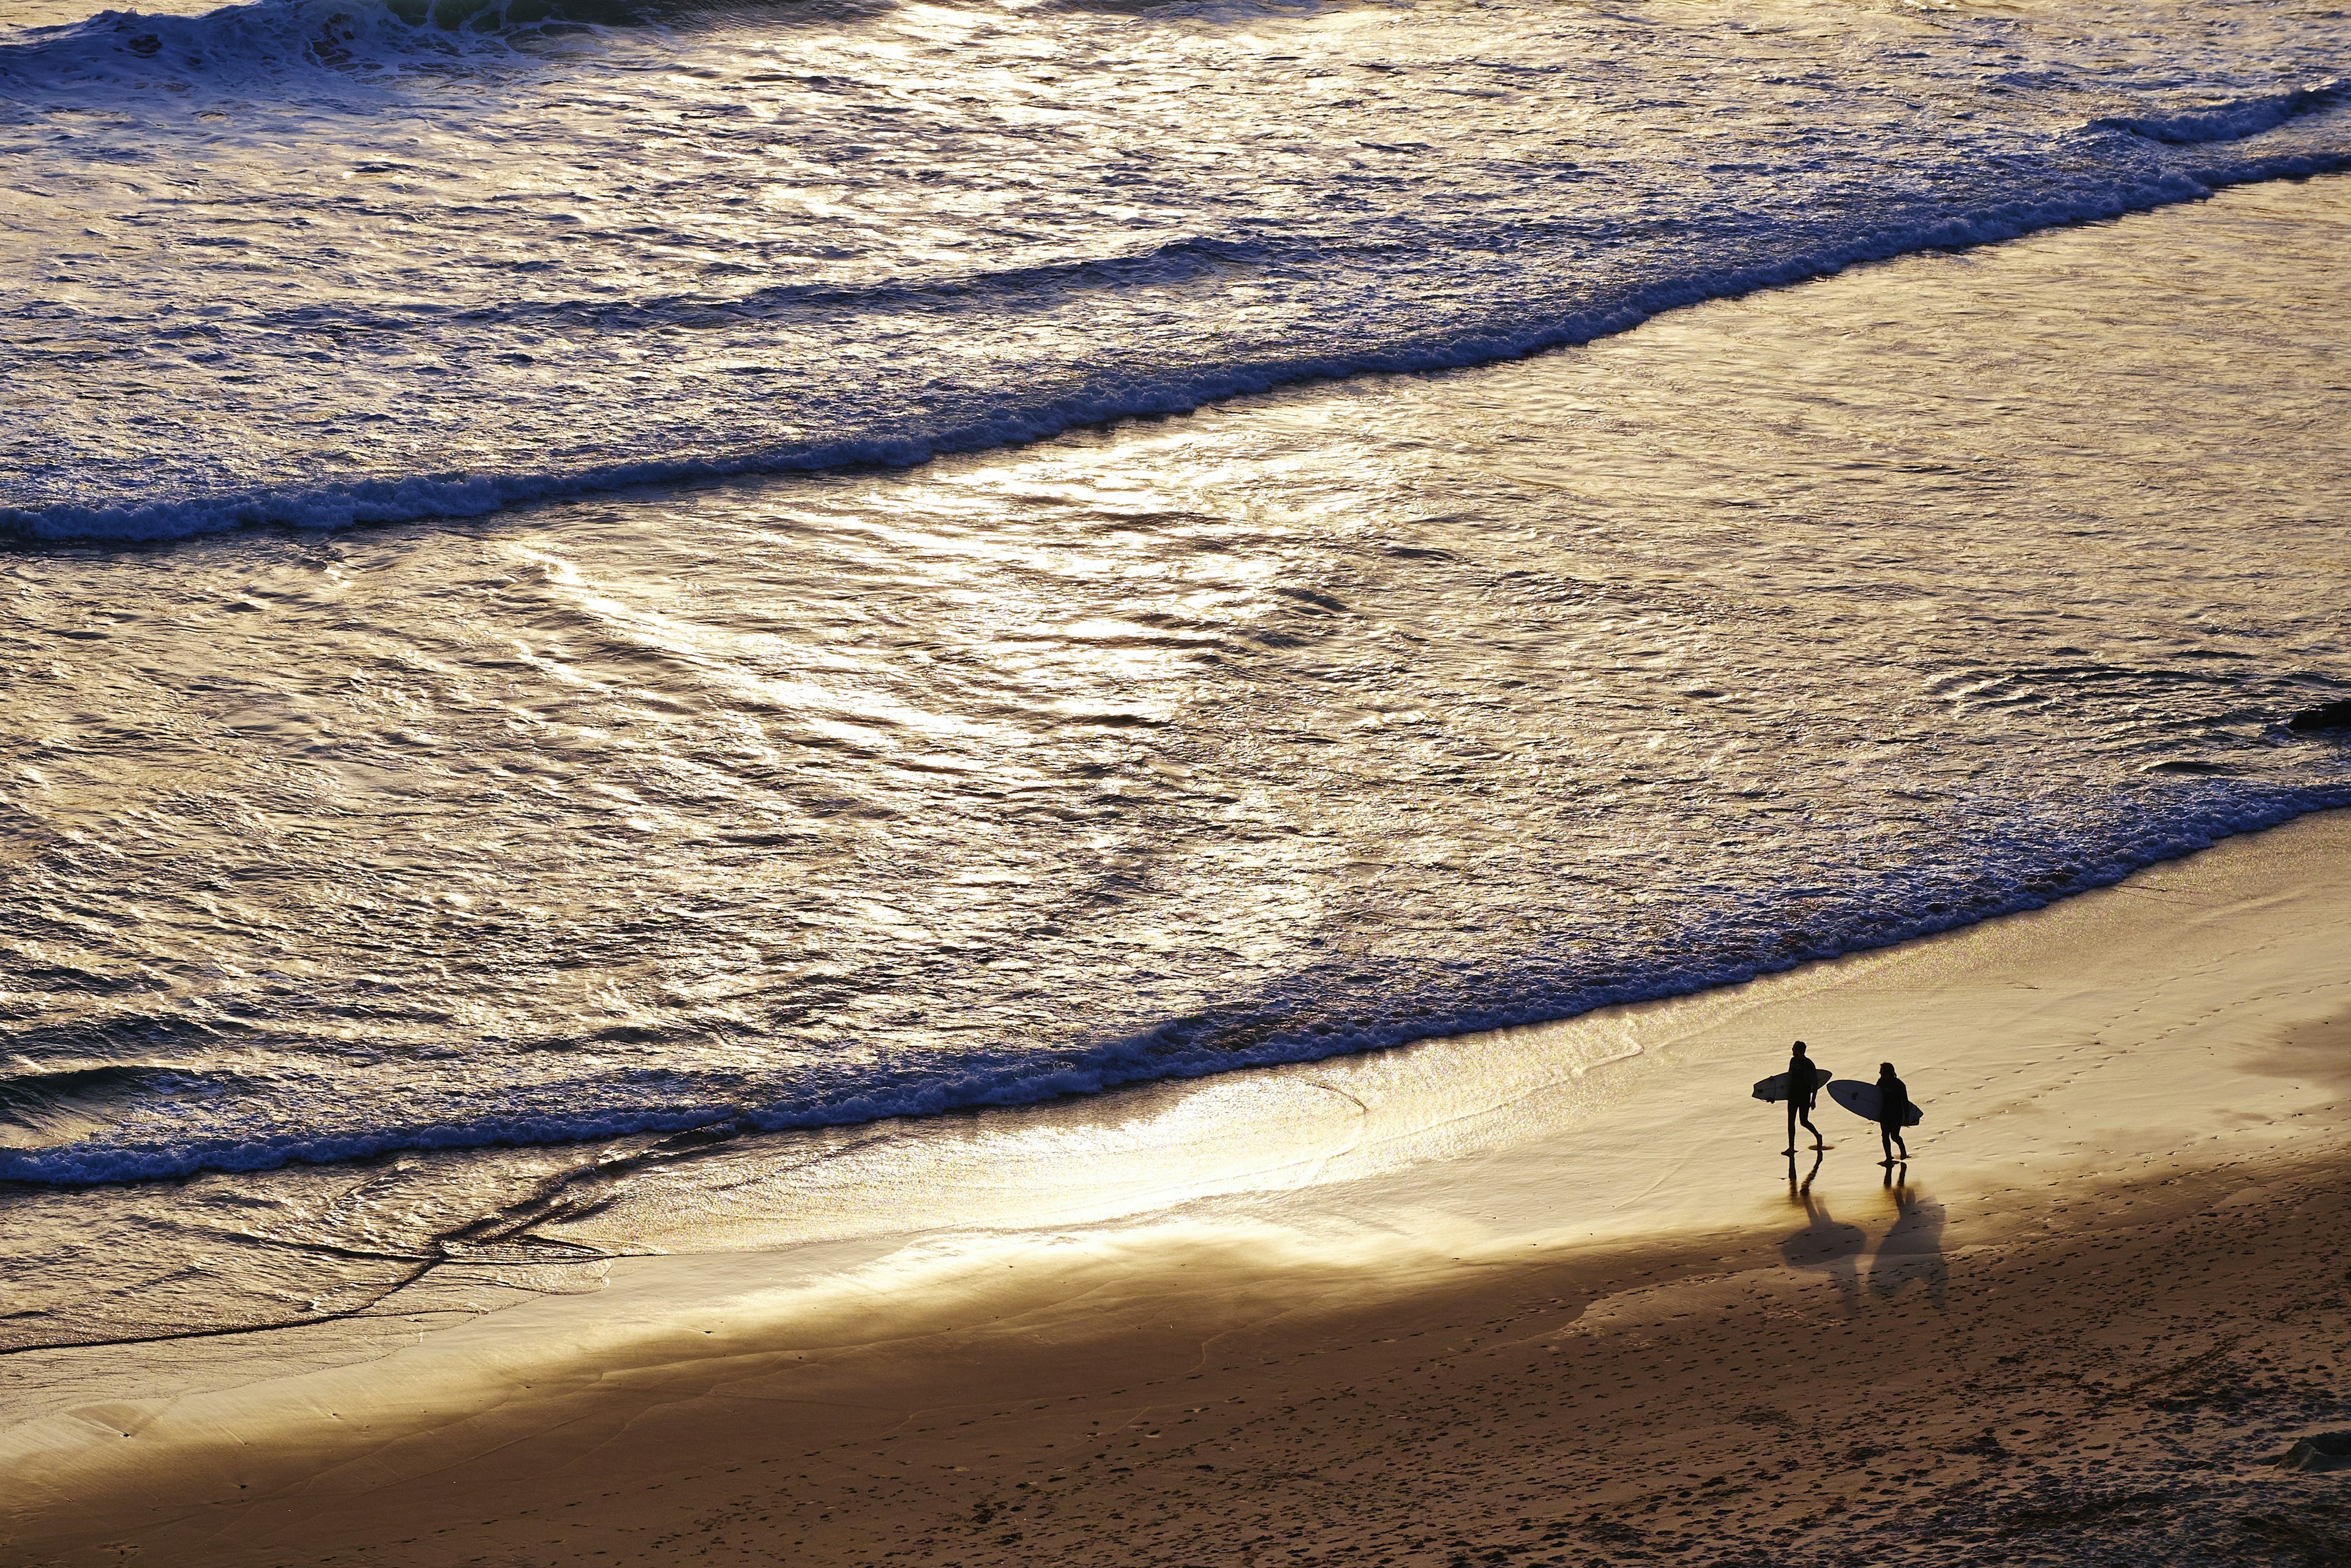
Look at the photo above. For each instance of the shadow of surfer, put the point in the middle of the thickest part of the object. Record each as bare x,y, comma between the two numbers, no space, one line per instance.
1827,1247
1911,1249
1797,1189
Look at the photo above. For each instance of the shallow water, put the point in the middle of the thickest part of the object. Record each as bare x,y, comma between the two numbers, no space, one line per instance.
1303,723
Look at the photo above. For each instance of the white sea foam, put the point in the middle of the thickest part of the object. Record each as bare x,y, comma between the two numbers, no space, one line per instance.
277,48
263,1125
1111,396
353,267
1348,716
2232,121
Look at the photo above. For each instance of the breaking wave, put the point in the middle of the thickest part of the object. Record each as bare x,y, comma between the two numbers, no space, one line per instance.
1110,395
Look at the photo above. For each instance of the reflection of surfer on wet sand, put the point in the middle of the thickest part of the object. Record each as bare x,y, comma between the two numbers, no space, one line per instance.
1911,1250
1827,1247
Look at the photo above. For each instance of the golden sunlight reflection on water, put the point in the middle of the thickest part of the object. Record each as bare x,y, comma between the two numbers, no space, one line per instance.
1328,718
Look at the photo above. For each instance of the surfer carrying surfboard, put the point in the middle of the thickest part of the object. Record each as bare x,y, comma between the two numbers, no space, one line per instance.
1893,1110
1804,1088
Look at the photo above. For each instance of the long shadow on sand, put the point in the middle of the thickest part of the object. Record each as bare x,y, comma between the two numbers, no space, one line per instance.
1829,1247
1911,1250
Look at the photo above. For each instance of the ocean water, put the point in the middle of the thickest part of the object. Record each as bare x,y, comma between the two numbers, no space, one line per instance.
323,261
582,583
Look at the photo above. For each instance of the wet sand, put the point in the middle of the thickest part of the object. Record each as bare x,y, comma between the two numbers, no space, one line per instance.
1543,1296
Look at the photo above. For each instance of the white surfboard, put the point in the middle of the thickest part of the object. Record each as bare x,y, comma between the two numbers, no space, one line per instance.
1861,1099
1776,1086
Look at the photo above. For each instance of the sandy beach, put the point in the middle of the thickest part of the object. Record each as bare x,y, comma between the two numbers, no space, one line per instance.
1576,1312
1039,784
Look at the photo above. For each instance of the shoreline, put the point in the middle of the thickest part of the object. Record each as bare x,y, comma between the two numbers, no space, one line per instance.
2170,1044
1014,1096
1601,875
2206,251
968,1009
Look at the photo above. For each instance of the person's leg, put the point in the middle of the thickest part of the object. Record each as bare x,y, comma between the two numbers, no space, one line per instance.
1900,1145
1885,1145
1815,1132
1793,1109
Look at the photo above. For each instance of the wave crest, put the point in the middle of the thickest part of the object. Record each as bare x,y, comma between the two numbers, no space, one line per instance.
2233,120
240,46
1003,418
44,1109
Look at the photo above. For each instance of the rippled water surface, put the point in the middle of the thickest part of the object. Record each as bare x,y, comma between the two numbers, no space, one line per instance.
312,260
1307,721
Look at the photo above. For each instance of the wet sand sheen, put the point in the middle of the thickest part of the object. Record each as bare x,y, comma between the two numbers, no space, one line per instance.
2134,1116
1544,1293
1334,718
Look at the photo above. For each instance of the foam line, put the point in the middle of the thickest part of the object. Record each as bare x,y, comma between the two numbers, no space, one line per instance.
2231,121
345,504
1178,1049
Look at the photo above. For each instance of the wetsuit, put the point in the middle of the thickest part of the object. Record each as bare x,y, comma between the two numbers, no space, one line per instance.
1893,1114
1803,1089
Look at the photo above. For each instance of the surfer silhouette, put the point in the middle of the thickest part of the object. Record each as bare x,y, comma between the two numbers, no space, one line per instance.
1893,1106
1804,1088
